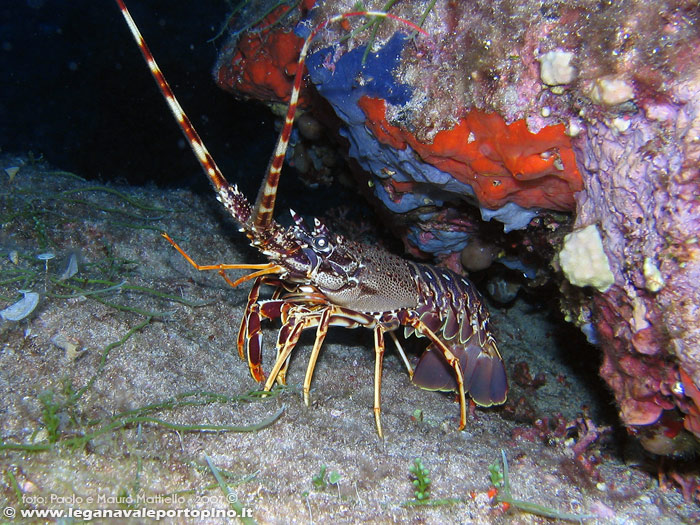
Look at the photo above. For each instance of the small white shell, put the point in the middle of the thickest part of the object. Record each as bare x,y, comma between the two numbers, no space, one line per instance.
71,268
21,308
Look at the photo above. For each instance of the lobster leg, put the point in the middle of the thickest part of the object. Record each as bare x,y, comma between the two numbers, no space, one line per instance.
289,330
321,331
294,328
409,368
243,330
329,317
289,322
250,323
378,361
323,321
312,301
452,361
253,336
253,333
249,341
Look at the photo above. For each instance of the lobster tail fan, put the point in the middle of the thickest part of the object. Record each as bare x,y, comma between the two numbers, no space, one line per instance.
483,373
488,385
433,373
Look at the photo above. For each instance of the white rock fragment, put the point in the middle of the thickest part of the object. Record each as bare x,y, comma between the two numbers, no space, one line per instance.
639,315
21,308
67,345
610,91
660,112
28,486
574,128
621,124
40,436
678,388
652,275
583,259
556,68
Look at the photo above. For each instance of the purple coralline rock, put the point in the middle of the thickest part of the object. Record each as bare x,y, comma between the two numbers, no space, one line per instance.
643,192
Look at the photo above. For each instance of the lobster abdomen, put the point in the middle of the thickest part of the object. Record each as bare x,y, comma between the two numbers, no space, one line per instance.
452,308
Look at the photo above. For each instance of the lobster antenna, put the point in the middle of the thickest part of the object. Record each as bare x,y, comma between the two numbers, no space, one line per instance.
203,156
265,202
229,195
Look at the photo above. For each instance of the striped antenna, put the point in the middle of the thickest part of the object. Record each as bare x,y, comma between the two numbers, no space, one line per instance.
230,196
264,207
200,150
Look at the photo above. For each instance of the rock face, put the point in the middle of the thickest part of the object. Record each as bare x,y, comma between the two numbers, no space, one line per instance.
523,111
641,189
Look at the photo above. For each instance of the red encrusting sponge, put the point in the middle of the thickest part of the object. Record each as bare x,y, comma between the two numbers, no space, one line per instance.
501,162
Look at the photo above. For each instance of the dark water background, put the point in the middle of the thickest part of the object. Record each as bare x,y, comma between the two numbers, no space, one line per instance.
76,90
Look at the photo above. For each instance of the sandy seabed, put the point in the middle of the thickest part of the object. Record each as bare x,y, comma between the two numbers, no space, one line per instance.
138,338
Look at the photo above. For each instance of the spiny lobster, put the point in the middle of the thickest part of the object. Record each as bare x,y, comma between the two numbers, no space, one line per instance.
322,280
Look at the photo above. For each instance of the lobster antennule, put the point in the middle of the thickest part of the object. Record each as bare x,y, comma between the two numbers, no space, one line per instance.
262,269
230,195
264,207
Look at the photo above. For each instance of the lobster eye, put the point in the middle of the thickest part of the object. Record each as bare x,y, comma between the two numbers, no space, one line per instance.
321,243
